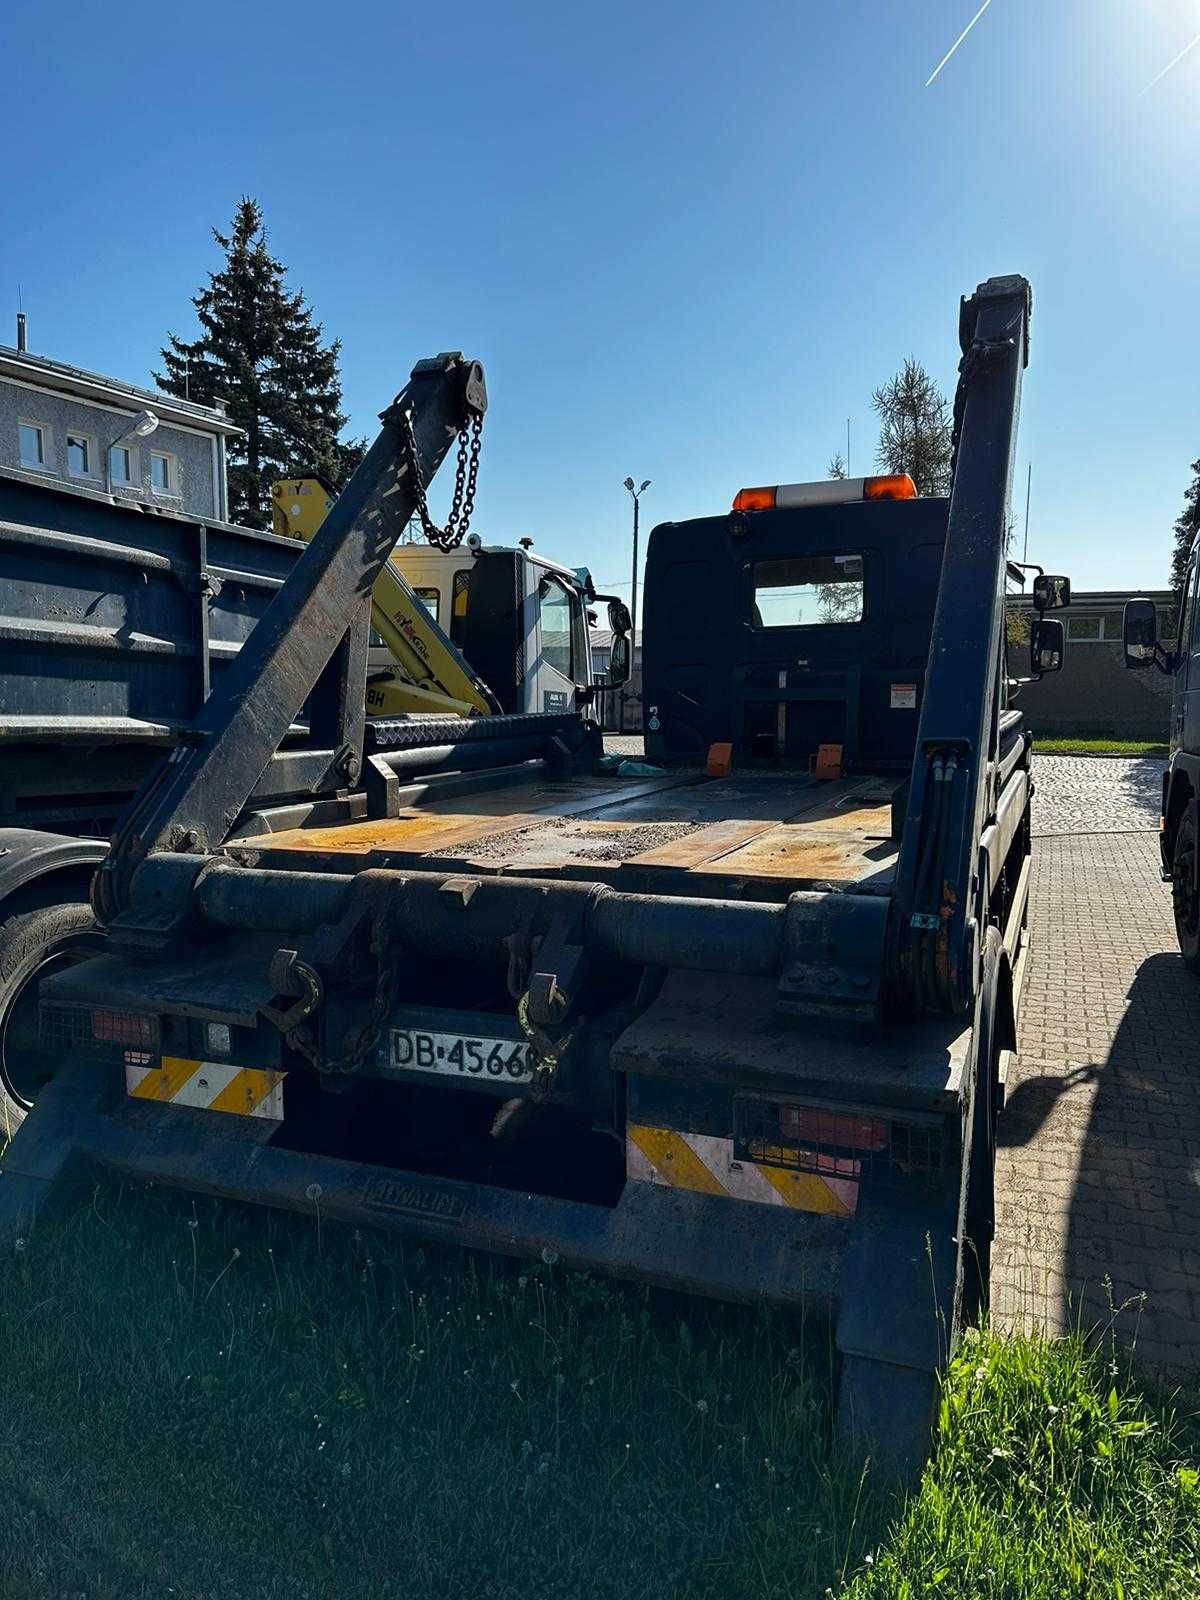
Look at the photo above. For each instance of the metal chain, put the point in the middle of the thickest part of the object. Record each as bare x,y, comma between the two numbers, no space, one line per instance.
364,1041
466,472
547,1051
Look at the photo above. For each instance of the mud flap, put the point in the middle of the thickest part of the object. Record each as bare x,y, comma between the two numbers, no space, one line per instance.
896,1315
44,1154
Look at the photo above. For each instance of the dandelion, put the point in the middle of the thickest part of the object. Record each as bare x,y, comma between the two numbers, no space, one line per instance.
869,1559
521,1282
701,1406
20,1246
549,1256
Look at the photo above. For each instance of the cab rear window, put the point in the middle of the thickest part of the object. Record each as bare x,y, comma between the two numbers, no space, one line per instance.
808,591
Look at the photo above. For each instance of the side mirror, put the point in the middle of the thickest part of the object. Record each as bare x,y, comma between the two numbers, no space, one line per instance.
620,664
1141,634
619,619
1051,593
1047,646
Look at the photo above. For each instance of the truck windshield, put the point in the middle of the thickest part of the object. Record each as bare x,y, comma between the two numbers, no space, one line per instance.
805,590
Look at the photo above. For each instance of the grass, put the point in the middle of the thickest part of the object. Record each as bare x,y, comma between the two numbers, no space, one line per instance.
205,1401
1070,745
1054,1479
248,1406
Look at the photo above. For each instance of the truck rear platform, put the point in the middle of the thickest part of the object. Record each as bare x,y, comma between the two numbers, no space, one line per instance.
742,1035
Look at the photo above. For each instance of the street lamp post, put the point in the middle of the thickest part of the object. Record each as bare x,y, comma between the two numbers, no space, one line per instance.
142,426
636,496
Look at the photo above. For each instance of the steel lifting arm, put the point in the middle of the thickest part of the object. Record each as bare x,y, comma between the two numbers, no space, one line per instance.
309,646
430,674
935,934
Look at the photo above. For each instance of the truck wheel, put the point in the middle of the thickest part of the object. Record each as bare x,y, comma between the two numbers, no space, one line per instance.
35,940
1185,900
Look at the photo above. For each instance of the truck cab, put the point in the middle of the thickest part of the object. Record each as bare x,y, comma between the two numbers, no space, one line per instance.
519,618
802,620
1179,827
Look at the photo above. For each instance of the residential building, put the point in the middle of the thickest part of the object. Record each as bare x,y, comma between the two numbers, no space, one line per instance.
61,423
1095,693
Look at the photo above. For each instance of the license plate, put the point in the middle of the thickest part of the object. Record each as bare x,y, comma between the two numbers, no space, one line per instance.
457,1056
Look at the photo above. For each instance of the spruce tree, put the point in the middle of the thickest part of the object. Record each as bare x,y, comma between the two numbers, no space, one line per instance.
915,428
261,352
1187,526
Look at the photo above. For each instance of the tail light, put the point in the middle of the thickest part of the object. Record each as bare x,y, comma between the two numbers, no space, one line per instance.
123,1027
79,1027
838,1140
845,1130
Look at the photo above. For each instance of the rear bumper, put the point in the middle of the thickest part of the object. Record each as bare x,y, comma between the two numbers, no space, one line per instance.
697,1243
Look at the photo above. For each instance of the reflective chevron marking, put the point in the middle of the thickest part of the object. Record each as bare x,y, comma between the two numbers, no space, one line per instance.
704,1163
209,1086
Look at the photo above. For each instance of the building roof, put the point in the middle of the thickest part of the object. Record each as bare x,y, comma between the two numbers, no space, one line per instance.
47,374
602,639
1102,599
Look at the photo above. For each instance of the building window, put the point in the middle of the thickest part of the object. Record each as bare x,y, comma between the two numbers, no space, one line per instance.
162,472
33,444
120,464
79,455
1083,628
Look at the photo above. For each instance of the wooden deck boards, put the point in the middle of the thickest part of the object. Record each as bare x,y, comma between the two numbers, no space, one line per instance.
762,827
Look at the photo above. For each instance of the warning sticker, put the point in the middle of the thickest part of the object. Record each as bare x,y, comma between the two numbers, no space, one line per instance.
904,697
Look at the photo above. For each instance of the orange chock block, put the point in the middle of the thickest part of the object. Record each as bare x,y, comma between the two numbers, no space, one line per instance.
720,761
829,761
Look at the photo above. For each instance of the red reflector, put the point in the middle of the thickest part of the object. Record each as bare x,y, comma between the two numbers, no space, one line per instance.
122,1027
754,499
895,486
843,1130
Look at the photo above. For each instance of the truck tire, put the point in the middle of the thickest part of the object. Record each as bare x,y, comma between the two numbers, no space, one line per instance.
37,935
1184,898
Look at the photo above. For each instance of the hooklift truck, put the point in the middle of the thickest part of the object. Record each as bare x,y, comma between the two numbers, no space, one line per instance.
117,619
743,1036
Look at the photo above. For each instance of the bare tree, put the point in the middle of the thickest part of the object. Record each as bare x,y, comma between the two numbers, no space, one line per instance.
836,467
915,428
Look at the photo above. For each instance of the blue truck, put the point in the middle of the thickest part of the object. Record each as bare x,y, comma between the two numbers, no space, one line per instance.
1179,825
738,1025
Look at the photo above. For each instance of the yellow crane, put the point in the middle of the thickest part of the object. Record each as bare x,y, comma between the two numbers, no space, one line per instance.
429,674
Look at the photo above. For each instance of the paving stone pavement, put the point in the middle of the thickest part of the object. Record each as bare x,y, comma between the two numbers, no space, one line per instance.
1072,794
1096,794
1099,1166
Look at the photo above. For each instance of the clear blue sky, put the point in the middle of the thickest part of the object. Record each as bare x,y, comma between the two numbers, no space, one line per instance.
687,239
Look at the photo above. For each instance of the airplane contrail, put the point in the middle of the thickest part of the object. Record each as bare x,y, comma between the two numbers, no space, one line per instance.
958,41
1174,62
